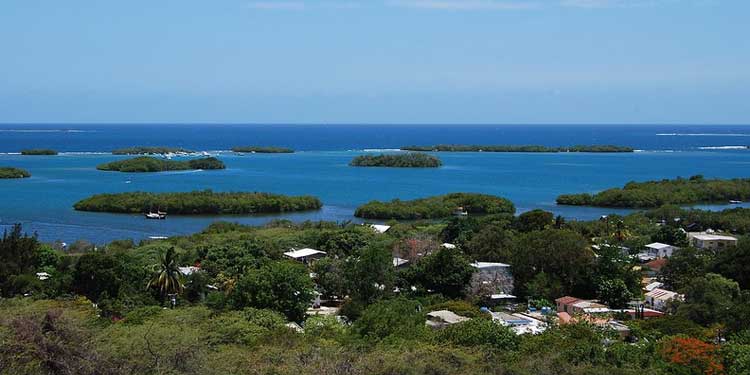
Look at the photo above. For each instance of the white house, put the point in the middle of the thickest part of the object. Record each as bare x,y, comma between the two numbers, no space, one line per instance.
660,250
305,255
443,318
710,240
399,262
380,228
658,298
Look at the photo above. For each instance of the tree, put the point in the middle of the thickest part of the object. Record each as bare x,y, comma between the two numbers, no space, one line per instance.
709,299
398,318
167,279
614,293
370,275
445,271
734,263
685,265
480,332
492,243
687,355
534,220
562,254
670,235
19,254
283,286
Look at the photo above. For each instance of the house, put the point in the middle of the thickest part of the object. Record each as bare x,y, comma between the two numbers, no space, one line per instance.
573,306
492,279
189,270
659,298
520,323
660,250
654,267
653,285
443,318
305,255
448,246
400,262
43,276
709,240
380,228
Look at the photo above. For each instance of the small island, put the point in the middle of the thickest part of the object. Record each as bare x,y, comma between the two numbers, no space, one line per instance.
436,207
407,160
151,164
649,194
262,150
205,202
10,172
518,148
39,151
151,150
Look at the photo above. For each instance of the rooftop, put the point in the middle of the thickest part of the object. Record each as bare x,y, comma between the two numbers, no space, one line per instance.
380,228
658,246
711,237
303,253
482,265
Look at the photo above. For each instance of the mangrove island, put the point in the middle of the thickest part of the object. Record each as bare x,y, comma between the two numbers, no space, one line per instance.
151,150
262,150
407,160
151,164
10,172
518,148
436,207
39,151
650,194
205,202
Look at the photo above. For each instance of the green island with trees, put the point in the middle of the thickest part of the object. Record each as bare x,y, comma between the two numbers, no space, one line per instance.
152,164
243,306
150,150
205,202
262,150
11,172
650,194
518,148
436,207
407,160
39,151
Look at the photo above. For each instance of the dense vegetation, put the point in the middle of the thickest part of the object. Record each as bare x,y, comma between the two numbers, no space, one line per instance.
407,160
518,148
263,150
150,150
649,194
151,164
204,202
95,315
10,172
435,207
38,151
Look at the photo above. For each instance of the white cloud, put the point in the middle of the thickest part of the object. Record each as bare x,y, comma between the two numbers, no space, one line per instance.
277,5
465,4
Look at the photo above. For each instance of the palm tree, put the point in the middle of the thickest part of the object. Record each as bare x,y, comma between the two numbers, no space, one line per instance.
168,277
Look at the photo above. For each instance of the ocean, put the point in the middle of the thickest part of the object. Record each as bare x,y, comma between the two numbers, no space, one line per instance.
43,203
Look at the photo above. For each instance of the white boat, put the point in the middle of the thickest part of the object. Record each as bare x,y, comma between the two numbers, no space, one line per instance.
155,216
735,202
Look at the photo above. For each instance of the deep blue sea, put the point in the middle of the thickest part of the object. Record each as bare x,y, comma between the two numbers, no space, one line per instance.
43,203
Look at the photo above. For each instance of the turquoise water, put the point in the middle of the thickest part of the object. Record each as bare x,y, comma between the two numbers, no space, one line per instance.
43,203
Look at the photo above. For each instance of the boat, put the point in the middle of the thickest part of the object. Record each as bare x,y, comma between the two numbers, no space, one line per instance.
735,202
155,216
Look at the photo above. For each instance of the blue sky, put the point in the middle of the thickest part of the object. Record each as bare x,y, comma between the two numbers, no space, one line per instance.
376,61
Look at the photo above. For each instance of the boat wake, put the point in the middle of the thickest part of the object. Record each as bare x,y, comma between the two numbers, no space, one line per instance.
723,148
704,134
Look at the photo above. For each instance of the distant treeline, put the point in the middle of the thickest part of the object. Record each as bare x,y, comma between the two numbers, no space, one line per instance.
263,150
198,202
151,164
408,160
518,148
38,151
649,194
10,172
440,206
735,220
149,150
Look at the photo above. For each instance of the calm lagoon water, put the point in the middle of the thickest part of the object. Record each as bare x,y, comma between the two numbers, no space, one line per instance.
43,203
